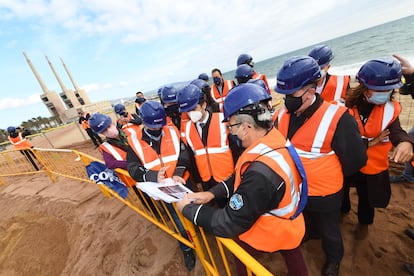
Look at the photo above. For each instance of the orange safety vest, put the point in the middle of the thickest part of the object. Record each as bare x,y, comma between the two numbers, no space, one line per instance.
335,88
116,152
169,152
214,160
263,78
313,142
19,142
380,118
215,94
274,230
85,124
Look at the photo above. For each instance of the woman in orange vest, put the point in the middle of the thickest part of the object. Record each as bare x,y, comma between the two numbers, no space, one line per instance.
376,112
156,153
114,149
19,141
263,213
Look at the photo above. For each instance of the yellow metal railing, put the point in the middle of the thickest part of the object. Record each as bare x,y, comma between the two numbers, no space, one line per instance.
71,164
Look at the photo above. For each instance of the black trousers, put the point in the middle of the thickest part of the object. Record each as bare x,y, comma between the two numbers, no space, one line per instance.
373,191
31,157
96,139
323,223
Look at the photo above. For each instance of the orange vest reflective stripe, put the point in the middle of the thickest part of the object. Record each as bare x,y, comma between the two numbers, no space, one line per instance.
275,231
116,152
19,142
169,151
215,94
335,88
263,78
313,142
380,118
215,159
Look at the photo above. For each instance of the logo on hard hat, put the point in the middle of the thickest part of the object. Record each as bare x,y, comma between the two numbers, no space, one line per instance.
393,80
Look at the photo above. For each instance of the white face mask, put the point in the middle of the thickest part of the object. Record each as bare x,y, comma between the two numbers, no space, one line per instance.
195,115
111,132
379,98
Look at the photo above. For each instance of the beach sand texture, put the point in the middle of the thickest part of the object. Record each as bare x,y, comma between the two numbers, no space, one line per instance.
69,228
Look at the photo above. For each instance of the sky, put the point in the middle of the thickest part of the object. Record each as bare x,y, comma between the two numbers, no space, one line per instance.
116,48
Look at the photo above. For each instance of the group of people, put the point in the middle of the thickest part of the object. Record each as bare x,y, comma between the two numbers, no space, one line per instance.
271,180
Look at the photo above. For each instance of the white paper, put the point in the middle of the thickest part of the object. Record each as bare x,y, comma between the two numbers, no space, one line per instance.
169,191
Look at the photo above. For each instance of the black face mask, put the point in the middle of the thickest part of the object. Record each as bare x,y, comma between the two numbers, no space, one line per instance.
172,110
293,103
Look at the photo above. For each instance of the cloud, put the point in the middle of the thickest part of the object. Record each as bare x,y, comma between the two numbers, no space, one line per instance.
12,103
93,87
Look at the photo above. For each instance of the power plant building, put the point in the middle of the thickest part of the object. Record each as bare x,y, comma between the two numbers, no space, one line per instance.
66,104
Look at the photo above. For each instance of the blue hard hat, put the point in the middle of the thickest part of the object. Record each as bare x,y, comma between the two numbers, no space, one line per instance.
11,129
244,71
168,94
245,59
258,82
200,83
322,54
188,97
203,76
295,73
380,74
241,96
119,108
99,122
153,114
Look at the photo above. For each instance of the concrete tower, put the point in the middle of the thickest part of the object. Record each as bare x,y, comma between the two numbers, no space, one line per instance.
80,94
50,99
67,96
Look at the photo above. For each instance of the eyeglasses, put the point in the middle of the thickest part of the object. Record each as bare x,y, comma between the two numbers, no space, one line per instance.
230,126
304,92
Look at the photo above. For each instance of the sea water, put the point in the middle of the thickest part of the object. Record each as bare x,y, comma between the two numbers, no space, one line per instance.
352,50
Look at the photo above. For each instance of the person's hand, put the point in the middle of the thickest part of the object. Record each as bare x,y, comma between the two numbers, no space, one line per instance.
123,121
406,67
178,179
162,174
201,198
182,203
383,135
402,153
